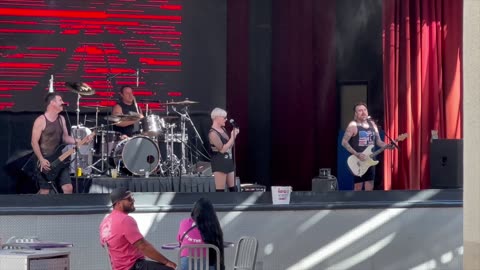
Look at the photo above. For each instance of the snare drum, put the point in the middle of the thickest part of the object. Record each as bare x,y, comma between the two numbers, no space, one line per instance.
138,155
153,125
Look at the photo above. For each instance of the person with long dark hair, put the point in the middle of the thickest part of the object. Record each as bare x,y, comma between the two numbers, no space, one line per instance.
202,227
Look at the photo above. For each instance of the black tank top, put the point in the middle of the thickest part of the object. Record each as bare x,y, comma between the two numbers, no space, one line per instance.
126,109
51,136
363,138
223,139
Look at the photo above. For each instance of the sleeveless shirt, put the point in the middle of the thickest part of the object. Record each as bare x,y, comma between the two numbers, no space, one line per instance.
363,138
126,109
51,136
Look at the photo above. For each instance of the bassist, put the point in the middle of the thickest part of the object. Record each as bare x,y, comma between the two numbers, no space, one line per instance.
361,133
48,133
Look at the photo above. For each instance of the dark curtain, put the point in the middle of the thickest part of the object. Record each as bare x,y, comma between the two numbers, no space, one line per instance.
422,41
304,102
303,97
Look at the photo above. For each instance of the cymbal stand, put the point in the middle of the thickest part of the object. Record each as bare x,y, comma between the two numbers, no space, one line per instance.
186,117
77,150
103,156
183,139
170,150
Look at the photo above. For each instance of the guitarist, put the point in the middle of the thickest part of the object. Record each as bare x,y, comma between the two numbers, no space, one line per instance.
48,133
360,133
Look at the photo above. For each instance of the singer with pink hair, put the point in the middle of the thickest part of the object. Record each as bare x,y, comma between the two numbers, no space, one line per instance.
221,144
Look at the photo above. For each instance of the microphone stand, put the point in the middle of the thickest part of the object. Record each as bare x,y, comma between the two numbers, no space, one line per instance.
234,160
75,145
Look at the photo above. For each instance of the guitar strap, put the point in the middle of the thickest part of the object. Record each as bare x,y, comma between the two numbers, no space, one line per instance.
186,232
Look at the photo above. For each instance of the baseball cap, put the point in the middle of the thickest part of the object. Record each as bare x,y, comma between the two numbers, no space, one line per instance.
119,194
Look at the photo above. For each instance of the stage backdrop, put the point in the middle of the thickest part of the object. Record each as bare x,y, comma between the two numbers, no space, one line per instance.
177,47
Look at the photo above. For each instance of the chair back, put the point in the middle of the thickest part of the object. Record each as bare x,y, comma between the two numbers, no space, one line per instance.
246,253
198,256
109,260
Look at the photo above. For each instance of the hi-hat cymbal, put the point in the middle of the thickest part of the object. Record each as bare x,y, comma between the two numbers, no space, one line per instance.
80,88
183,102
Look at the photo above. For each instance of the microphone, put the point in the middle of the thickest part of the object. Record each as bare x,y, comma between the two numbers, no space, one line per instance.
138,75
65,104
233,123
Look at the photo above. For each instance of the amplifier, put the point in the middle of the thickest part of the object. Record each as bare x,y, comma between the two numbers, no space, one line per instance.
324,184
252,188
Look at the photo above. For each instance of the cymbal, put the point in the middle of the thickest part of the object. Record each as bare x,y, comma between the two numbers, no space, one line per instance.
80,88
122,117
100,107
183,102
112,118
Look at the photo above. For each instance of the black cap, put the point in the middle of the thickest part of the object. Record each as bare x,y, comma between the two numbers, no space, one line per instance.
119,194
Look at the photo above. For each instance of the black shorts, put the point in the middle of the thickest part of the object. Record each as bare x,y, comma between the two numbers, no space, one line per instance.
63,178
222,163
368,176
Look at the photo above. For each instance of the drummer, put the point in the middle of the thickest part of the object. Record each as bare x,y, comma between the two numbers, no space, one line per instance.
127,106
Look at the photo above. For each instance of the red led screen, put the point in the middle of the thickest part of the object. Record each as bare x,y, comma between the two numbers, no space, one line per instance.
104,43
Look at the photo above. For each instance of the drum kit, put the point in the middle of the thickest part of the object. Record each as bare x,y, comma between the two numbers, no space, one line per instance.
159,148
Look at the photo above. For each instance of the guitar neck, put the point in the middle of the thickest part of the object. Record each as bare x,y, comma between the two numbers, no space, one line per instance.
379,151
65,155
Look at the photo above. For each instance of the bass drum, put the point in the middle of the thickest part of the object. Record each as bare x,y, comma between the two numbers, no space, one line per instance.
138,155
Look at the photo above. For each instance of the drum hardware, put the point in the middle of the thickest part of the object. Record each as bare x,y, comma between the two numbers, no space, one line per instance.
107,143
81,89
184,118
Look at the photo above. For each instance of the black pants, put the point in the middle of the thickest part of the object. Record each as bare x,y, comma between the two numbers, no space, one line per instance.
149,265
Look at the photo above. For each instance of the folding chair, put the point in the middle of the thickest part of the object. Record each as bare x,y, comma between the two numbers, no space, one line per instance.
246,253
198,258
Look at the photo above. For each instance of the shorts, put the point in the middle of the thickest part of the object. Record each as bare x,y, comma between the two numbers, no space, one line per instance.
368,176
63,178
222,163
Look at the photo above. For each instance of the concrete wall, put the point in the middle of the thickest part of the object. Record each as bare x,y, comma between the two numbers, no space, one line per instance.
363,239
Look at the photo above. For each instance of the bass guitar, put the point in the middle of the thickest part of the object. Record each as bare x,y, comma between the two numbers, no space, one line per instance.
359,167
57,160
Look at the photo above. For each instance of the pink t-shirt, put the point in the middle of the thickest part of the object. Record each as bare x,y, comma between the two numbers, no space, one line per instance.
120,232
192,237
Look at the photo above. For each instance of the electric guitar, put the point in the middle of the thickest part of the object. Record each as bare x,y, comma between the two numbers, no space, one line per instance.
359,168
57,160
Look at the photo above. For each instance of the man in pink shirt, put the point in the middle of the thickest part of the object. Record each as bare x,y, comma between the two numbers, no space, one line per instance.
126,245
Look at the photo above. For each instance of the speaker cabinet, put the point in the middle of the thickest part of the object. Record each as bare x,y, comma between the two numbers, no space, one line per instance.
446,164
324,184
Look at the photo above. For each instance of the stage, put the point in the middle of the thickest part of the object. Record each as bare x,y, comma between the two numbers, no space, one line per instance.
105,184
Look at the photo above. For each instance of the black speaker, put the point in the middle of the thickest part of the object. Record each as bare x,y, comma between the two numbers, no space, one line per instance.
446,163
324,183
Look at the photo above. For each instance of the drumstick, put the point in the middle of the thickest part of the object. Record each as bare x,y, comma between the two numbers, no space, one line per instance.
136,105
